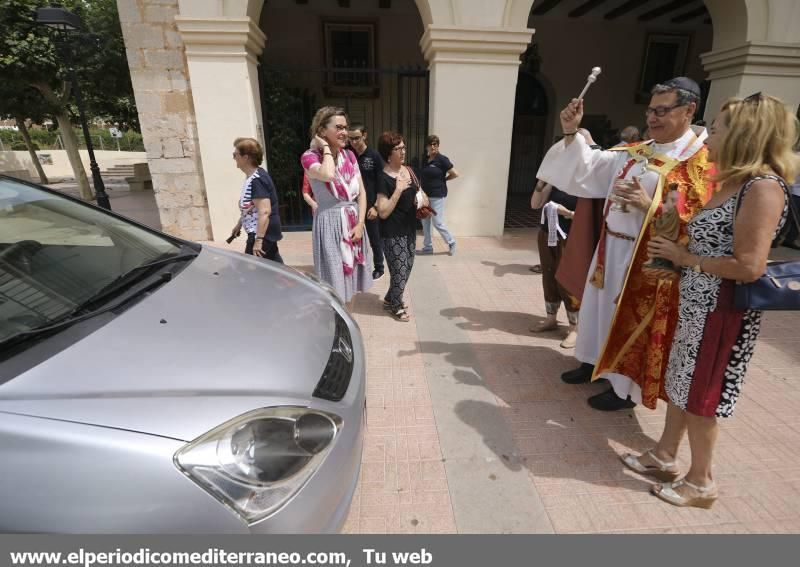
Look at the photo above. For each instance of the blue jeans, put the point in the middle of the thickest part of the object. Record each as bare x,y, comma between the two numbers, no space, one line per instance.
437,204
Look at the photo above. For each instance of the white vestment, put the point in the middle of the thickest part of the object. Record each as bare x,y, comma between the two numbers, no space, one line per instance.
581,171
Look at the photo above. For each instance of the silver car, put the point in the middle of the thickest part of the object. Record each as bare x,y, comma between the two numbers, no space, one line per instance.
149,384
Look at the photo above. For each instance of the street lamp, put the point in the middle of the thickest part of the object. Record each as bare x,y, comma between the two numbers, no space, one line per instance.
65,22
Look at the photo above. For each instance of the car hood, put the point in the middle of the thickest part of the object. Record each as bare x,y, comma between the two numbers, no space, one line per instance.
230,333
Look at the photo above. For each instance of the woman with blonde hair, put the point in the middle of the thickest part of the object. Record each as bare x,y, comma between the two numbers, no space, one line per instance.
751,142
341,250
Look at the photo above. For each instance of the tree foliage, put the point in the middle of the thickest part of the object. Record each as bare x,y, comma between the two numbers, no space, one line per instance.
30,55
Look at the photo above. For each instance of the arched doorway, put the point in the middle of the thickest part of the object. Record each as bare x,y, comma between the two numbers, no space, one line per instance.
363,58
528,142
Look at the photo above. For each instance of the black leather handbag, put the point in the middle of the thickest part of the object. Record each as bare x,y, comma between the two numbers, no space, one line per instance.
779,288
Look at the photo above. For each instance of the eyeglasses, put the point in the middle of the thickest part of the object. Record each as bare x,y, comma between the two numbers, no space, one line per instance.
661,111
399,148
235,154
355,138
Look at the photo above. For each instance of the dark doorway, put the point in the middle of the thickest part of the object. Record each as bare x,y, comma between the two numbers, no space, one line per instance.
397,99
528,142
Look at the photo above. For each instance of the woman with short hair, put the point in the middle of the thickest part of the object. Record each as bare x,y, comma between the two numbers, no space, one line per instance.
258,202
751,142
396,192
436,172
341,250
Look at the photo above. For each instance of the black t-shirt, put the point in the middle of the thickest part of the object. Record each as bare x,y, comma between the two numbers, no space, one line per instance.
434,173
568,202
262,187
371,166
403,220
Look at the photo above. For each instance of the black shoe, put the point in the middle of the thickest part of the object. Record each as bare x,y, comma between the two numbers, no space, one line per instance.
609,401
377,274
580,375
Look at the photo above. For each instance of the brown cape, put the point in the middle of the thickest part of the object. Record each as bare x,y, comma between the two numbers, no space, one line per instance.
584,234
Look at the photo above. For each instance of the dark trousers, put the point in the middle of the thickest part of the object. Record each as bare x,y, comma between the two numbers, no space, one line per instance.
374,234
268,247
554,292
400,252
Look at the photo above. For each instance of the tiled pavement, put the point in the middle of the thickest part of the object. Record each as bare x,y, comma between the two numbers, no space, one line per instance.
470,429
469,333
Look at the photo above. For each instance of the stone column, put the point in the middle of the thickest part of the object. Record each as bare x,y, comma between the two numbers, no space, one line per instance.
222,53
472,90
756,48
164,102
771,68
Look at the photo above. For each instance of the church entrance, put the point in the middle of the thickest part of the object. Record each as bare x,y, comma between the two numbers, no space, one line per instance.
528,143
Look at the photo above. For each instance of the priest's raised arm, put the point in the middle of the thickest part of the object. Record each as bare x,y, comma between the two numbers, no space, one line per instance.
573,166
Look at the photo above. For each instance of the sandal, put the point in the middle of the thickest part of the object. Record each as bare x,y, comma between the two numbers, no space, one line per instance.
665,472
704,498
400,314
388,306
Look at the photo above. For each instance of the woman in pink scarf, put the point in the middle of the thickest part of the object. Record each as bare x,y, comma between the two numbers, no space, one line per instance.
341,253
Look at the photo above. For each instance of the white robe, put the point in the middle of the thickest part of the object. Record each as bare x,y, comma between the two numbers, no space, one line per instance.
581,171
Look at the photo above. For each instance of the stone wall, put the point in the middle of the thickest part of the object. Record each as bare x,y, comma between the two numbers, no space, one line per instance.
166,113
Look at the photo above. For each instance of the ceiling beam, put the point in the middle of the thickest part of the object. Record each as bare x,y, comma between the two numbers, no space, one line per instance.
690,15
384,4
623,9
585,8
544,6
344,3
301,1
664,9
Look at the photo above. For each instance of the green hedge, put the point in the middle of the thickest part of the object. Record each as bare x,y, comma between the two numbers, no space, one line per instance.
48,140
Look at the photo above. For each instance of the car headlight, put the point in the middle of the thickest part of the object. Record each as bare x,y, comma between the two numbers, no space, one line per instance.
324,285
256,462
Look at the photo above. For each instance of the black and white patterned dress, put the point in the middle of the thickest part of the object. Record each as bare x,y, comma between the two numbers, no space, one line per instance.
714,341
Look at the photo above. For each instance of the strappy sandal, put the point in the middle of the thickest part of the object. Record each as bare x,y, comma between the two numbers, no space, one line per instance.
400,314
705,495
665,472
388,306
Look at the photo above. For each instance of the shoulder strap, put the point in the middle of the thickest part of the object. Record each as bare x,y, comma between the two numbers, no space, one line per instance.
413,177
793,214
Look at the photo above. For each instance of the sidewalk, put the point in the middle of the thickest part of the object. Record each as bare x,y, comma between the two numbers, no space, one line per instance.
470,429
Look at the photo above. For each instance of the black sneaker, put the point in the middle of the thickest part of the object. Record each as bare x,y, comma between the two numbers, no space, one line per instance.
609,401
377,274
580,375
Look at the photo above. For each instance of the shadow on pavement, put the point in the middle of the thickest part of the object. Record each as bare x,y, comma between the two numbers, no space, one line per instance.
501,270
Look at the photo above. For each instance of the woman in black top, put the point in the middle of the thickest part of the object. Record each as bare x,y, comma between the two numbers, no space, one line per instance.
436,172
558,210
396,194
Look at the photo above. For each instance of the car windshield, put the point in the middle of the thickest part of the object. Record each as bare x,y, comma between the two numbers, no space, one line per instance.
56,254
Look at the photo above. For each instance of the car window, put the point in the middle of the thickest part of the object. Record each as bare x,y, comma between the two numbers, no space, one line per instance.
56,253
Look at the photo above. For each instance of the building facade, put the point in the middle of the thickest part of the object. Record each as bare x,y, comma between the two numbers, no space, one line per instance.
487,76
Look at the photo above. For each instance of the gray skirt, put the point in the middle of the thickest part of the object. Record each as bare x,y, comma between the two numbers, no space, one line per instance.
328,263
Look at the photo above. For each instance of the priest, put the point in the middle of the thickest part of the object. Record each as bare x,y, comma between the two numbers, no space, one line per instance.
628,314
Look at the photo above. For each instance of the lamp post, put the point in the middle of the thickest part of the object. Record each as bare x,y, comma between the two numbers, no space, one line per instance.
64,22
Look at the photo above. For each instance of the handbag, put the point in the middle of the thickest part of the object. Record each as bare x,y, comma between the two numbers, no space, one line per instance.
423,211
779,288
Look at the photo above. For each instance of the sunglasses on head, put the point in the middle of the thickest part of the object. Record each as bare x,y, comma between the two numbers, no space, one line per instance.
754,98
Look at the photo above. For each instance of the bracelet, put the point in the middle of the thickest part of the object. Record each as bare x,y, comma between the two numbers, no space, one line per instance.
259,238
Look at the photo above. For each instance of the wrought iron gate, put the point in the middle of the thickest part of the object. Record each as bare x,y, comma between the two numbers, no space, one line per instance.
381,99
